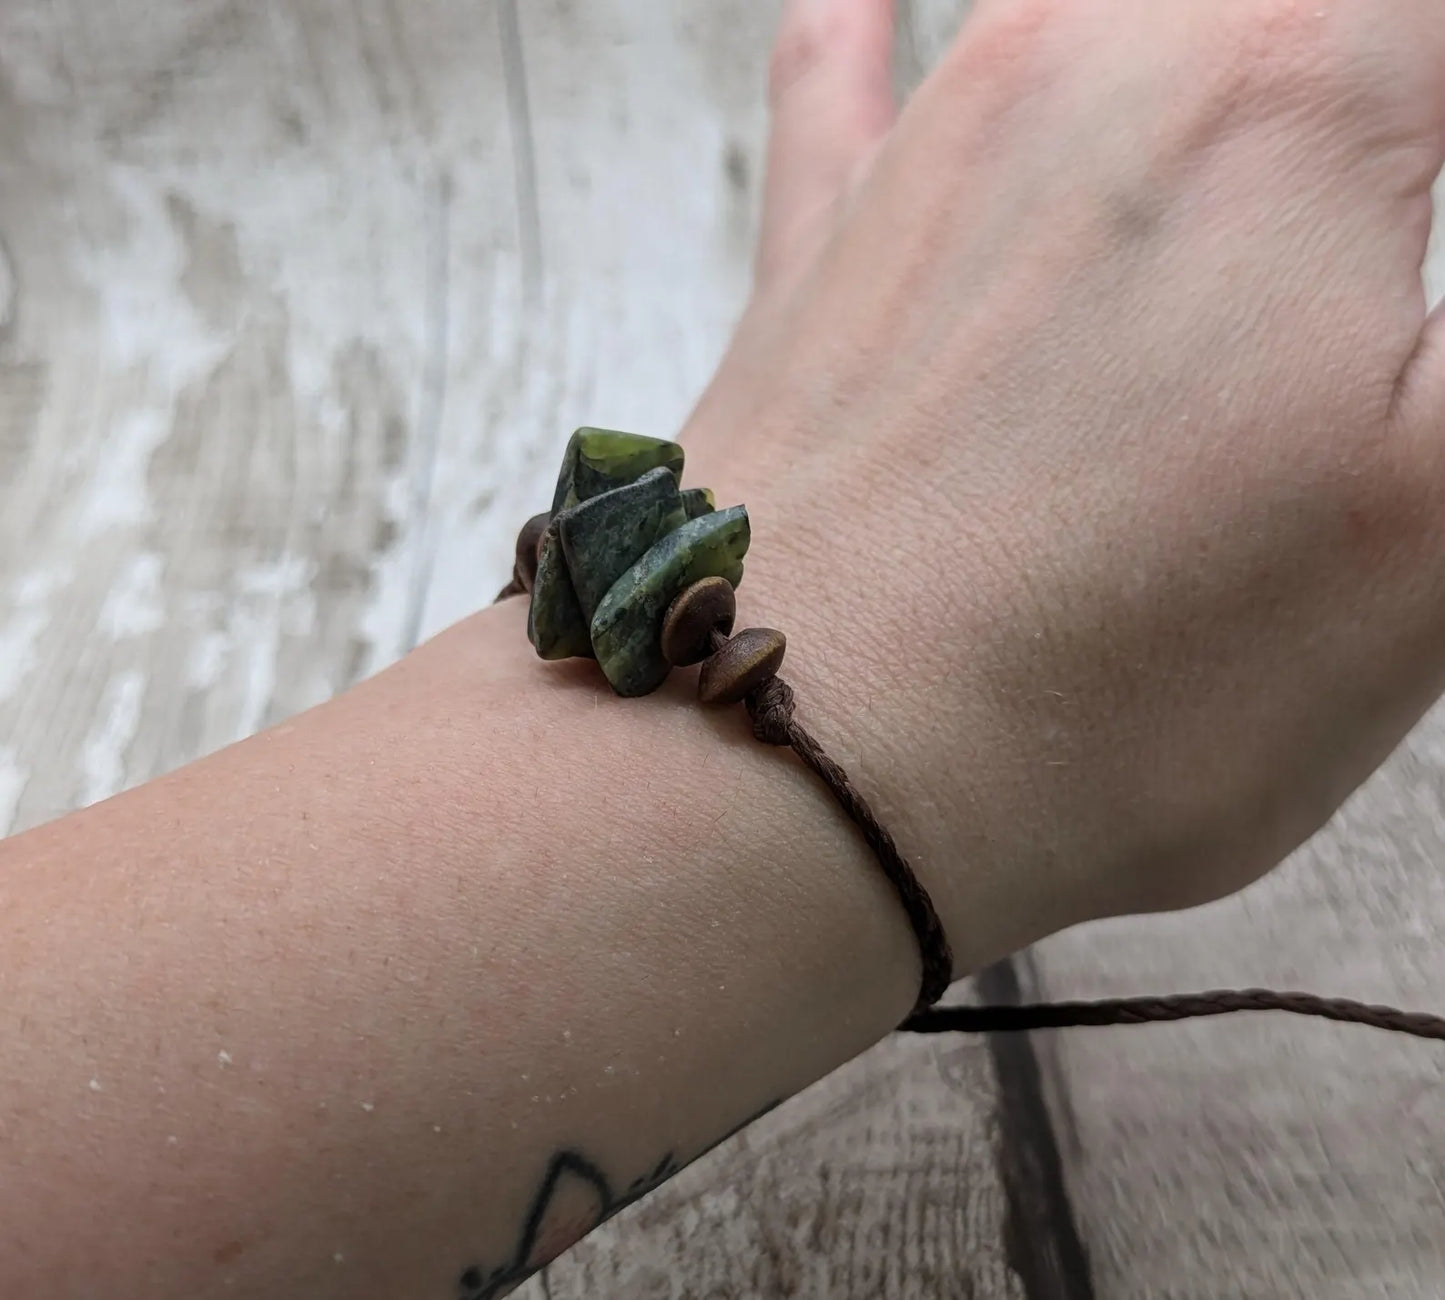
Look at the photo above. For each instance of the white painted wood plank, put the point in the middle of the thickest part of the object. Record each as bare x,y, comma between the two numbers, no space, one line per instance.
221,225
879,1181
647,125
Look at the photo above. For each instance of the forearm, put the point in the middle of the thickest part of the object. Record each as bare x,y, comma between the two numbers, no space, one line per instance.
317,1015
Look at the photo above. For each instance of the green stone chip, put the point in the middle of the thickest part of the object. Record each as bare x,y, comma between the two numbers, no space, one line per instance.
555,623
606,535
598,460
698,502
627,628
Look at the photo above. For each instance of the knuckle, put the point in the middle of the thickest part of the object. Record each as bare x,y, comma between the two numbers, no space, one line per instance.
1005,37
1368,81
1276,20
1276,45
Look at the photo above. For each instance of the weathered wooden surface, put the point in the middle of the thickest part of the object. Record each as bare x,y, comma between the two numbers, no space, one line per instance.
225,227
298,302
879,1181
1260,1156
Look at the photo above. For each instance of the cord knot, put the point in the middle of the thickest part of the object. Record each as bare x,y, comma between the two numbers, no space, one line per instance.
771,708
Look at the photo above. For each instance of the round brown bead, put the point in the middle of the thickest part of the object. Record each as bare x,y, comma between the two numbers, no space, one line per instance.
741,666
529,543
704,608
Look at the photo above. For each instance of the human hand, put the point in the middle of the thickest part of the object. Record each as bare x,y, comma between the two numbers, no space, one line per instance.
1094,433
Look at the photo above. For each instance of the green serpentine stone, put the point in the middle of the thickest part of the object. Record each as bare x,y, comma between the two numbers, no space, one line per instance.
556,625
598,460
627,628
698,502
603,536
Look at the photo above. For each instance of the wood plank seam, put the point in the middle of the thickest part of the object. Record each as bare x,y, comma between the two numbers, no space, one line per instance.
524,149
431,406
1044,1245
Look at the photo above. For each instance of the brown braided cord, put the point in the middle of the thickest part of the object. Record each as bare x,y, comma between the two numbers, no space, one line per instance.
1147,1011
771,707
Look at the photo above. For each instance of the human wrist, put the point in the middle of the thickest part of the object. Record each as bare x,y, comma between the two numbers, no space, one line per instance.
733,855
893,626
476,903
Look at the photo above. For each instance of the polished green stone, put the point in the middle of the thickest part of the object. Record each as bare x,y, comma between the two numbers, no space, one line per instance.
606,535
556,625
598,460
698,502
627,628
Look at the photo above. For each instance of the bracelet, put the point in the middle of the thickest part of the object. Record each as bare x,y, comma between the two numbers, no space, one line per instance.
631,570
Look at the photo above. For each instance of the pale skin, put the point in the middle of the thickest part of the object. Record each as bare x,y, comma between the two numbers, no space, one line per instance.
1093,429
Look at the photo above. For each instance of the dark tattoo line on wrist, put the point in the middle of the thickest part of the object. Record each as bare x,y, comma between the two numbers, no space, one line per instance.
574,1197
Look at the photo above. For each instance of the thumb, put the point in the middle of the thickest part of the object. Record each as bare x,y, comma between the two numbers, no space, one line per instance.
831,92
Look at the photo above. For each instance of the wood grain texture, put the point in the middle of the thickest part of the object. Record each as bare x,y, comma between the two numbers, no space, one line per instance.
1263,1157
221,224
627,255
878,1181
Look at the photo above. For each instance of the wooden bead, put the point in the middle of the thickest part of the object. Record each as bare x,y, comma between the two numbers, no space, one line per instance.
703,608
529,545
741,666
